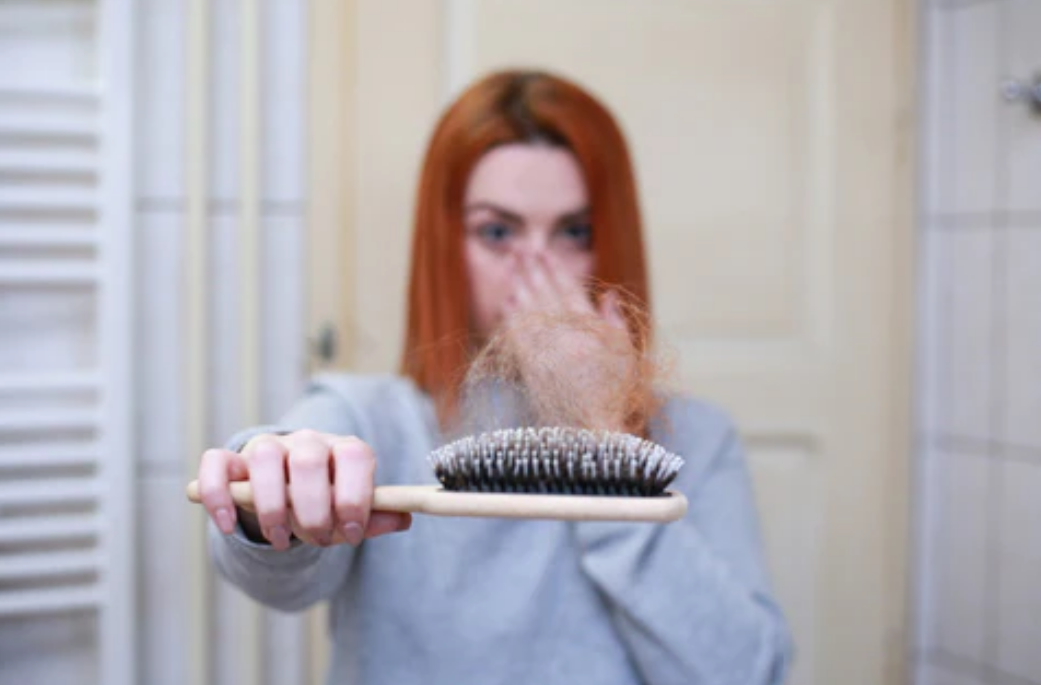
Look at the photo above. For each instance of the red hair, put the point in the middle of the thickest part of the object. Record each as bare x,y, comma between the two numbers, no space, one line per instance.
511,107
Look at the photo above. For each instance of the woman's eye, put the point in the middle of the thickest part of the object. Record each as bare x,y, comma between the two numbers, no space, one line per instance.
580,234
494,233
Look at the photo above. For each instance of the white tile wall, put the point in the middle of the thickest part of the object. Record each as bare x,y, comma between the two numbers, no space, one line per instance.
934,674
286,635
1022,359
158,385
965,259
1021,58
225,396
229,606
285,351
933,343
162,590
224,103
285,97
969,109
960,554
1018,587
980,394
283,348
934,98
160,100
160,421
165,622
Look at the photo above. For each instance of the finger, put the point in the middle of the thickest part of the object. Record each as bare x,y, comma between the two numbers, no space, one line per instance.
354,468
523,297
383,522
216,469
267,476
309,485
509,306
299,532
542,287
611,310
380,523
556,276
568,291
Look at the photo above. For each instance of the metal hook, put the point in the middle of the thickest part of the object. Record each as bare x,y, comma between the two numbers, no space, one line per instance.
1014,90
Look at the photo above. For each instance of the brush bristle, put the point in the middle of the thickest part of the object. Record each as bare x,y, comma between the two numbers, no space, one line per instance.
556,461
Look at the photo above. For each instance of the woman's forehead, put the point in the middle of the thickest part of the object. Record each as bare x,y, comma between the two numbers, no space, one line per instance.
528,179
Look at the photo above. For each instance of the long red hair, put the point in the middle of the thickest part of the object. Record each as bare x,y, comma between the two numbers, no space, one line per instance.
501,108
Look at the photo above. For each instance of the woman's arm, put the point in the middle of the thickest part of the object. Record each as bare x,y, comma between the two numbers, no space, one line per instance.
691,598
294,579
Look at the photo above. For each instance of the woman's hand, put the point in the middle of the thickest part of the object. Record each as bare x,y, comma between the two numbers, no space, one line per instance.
574,348
541,284
329,479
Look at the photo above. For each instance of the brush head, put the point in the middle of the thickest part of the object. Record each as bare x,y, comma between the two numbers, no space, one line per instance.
556,460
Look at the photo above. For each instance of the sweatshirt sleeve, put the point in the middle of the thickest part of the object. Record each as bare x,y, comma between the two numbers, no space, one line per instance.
691,598
294,579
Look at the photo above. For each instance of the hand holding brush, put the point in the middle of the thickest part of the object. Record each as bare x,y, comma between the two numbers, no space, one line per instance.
548,473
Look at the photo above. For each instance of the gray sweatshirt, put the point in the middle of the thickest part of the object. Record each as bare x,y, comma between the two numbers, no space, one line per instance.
456,601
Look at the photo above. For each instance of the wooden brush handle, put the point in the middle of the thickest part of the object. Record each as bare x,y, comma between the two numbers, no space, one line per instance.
436,501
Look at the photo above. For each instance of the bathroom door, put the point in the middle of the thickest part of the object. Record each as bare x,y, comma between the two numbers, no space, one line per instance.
772,148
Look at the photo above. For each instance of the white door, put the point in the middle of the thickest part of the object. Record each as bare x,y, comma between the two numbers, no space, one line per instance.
771,147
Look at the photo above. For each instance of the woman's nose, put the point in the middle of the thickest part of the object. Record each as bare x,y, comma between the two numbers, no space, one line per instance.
534,246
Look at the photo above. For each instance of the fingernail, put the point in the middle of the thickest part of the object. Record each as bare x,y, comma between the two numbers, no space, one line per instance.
224,521
353,533
279,537
265,448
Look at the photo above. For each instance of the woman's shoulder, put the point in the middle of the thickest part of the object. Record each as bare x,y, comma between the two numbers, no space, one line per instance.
690,412
375,397
365,387
694,425
380,403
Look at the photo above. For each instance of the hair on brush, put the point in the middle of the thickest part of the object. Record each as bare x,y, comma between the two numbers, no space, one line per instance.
556,460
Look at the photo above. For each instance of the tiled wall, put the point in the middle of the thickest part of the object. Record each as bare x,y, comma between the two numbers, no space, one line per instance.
979,571
160,219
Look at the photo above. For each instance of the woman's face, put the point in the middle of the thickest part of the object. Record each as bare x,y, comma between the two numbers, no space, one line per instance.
523,201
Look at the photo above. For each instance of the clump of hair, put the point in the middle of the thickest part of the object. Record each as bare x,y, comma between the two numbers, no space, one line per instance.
564,368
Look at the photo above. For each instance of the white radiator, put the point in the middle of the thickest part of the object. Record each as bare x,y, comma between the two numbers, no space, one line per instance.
66,515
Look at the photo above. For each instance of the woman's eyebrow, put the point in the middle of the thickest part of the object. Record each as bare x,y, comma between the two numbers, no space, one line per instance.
577,215
501,211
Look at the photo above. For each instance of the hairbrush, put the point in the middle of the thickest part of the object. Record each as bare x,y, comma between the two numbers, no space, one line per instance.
536,473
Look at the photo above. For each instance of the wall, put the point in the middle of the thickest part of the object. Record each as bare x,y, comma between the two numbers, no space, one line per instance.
979,603
164,591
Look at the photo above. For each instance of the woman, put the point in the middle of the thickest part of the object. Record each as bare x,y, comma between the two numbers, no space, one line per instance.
526,196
